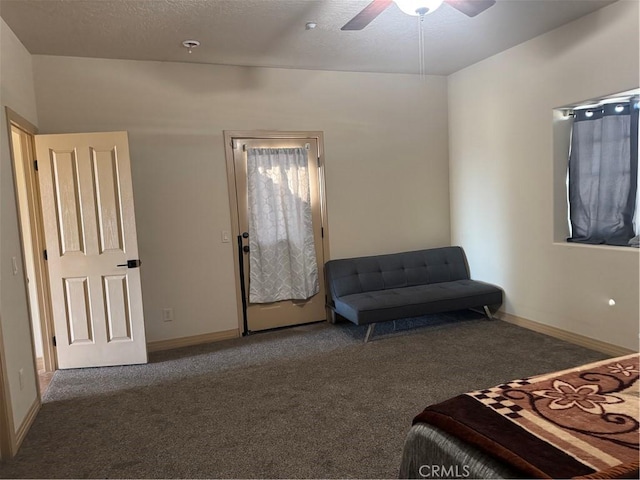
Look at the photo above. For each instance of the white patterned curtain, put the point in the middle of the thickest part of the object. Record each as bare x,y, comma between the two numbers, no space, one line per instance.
282,260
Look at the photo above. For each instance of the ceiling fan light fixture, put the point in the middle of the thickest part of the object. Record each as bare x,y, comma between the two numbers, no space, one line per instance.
418,7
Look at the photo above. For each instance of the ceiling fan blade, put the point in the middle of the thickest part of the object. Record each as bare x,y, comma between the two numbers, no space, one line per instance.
367,15
471,8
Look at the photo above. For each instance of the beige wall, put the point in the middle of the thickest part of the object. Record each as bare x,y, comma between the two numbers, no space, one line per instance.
16,92
386,162
501,169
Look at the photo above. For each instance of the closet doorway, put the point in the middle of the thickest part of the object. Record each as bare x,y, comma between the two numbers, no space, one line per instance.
252,157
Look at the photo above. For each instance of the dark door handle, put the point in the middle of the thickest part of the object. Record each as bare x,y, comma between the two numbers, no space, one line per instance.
245,249
131,264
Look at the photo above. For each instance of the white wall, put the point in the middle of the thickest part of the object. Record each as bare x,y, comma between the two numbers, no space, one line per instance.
16,92
501,173
386,162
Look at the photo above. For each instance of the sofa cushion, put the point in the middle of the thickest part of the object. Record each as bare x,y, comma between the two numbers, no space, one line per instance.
413,301
366,274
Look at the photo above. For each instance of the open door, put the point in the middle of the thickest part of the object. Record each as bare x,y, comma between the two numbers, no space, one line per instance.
92,249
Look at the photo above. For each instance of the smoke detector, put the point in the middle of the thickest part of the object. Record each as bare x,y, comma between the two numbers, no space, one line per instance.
190,44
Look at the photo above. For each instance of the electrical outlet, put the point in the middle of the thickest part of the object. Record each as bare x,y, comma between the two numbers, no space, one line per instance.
21,378
167,314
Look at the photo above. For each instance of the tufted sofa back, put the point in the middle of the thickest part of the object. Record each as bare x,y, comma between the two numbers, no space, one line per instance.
380,272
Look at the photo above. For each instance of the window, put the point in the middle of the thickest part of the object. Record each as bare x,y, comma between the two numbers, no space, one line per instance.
603,173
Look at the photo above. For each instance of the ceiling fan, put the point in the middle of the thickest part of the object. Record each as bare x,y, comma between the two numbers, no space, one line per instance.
420,8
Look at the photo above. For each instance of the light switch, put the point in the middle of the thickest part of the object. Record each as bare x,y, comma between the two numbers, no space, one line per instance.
14,264
167,314
226,236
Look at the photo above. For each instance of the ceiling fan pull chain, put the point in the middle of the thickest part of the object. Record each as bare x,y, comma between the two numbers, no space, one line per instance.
421,49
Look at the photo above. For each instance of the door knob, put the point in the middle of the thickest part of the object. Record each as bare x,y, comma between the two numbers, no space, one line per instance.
131,264
245,249
245,235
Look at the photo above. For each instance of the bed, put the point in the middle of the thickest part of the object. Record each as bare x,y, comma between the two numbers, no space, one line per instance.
576,423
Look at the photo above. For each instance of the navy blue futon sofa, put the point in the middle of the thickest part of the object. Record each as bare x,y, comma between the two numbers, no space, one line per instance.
367,290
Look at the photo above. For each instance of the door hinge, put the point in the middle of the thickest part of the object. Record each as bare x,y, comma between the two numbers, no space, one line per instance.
44,254
54,341
318,162
322,232
35,165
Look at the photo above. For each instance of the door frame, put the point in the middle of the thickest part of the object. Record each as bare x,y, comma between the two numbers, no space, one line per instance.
10,439
230,137
41,279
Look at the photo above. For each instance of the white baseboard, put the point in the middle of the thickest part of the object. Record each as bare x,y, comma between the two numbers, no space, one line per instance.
193,340
571,337
29,418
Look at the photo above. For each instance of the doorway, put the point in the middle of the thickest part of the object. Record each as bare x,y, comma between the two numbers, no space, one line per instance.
22,147
80,250
263,314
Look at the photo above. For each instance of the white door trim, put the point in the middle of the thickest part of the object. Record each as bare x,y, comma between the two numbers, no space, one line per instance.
37,236
11,437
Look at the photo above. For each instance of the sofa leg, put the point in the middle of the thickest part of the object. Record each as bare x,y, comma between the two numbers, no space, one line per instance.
488,312
370,330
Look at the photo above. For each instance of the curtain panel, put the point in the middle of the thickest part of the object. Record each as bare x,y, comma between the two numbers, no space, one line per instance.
282,260
603,174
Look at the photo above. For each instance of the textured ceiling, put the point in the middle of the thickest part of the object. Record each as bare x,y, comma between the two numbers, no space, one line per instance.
272,33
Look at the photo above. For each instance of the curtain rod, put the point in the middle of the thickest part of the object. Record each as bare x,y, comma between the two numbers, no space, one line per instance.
570,112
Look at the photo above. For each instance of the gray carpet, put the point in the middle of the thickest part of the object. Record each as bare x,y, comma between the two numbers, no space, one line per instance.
306,402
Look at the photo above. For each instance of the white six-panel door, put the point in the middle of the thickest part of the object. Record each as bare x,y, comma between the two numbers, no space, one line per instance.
90,232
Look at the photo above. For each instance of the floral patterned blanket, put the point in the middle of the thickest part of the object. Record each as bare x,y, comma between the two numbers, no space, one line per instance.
581,422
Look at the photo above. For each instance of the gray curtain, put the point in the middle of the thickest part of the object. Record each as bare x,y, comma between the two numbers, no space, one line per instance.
603,174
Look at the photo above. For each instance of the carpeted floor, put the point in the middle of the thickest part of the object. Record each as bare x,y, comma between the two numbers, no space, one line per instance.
306,402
